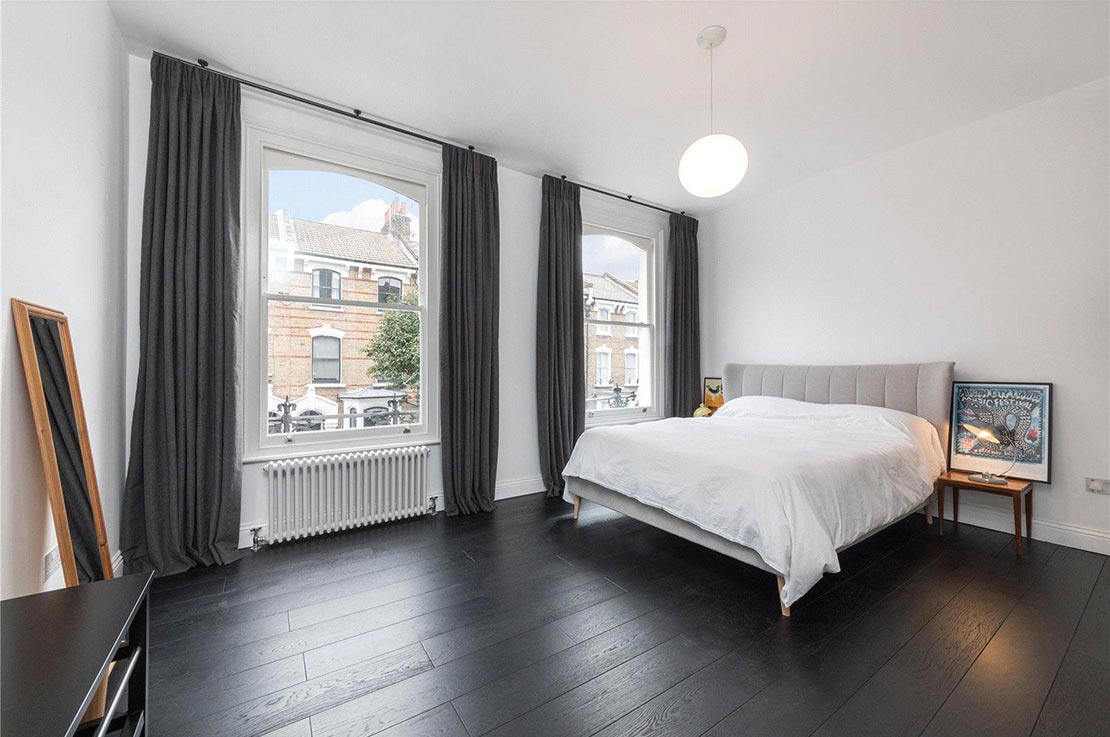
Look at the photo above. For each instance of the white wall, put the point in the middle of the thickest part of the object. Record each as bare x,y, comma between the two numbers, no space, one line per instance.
988,245
518,460
518,469
64,147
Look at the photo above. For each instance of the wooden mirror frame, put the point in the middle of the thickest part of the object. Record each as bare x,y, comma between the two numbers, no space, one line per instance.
23,312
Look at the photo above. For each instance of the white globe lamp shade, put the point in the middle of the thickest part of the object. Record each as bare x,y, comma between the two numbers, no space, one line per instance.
713,165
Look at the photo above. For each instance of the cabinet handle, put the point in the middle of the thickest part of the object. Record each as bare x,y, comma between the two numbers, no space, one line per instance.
111,710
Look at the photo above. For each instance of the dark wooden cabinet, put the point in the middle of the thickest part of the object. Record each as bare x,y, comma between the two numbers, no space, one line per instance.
58,646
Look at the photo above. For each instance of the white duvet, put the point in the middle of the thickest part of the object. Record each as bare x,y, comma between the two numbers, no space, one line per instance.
794,481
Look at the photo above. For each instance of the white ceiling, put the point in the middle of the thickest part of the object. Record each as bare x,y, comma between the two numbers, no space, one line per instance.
612,93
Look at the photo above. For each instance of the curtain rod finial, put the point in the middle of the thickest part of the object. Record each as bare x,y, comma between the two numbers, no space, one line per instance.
630,197
203,63
357,112
470,147
563,177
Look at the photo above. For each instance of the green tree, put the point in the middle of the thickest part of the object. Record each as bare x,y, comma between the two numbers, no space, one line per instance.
395,347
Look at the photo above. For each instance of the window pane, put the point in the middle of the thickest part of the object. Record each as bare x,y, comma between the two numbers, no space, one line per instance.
616,377
389,289
631,316
326,284
327,229
325,359
613,270
369,377
615,288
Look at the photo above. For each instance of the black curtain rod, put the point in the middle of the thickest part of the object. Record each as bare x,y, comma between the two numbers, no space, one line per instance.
356,114
353,113
623,197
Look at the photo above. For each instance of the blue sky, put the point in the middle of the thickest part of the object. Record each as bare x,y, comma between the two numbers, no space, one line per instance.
324,196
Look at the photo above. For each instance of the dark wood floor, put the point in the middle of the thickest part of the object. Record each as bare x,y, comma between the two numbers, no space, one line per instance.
522,623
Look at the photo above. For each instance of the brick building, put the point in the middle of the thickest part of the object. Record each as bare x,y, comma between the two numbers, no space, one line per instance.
613,366
317,351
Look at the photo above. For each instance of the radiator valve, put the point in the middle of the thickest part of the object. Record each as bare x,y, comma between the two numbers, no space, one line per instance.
257,541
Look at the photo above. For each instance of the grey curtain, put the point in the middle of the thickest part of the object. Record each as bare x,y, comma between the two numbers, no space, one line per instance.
182,494
560,341
469,311
683,322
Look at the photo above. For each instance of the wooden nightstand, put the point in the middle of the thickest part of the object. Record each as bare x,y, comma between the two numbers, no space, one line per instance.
1013,488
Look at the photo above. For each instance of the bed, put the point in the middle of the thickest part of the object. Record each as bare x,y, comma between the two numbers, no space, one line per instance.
773,479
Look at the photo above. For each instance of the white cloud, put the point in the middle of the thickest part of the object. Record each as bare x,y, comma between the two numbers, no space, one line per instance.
607,253
367,215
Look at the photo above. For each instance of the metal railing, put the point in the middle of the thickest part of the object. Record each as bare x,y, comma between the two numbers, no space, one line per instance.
398,411
615,399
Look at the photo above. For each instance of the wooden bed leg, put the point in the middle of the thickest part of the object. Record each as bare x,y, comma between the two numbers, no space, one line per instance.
577,505
785,609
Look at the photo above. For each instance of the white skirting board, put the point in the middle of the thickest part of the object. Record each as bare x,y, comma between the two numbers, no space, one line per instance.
1058,533
519,487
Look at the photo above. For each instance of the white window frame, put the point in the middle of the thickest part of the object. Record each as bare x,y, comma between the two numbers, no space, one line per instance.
338,277
631,316
603,328
598,353
400,286
634,354
324,331
273,124
646,228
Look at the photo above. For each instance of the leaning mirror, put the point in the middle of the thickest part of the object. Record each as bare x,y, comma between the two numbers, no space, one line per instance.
63,439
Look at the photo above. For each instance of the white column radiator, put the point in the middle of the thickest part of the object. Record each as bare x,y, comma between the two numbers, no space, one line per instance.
314,496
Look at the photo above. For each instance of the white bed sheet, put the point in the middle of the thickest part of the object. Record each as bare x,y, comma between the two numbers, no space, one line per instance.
792,480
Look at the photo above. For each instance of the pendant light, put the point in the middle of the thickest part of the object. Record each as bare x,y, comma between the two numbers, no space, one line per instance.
712,165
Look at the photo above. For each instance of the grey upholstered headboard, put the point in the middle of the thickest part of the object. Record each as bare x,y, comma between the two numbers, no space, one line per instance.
923,389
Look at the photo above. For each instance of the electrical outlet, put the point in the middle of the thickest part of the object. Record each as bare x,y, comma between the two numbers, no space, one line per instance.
1098,486
51,563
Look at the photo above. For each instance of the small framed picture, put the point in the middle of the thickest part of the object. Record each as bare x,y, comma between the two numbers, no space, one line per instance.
1002,428
713,395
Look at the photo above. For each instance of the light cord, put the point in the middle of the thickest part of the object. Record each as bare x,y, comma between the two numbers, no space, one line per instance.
710,90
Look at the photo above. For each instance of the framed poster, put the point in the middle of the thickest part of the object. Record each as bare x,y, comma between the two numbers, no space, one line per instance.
1016,415
713,396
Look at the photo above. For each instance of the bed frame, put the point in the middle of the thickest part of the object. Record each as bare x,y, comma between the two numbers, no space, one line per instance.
923,389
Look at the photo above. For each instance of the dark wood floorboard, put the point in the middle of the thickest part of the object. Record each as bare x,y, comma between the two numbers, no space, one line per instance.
902,695
816,684
1005,688
1079,701
522,622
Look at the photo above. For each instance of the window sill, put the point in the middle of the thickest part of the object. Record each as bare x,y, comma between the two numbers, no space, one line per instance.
286,451
622,417
326,308
327,385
